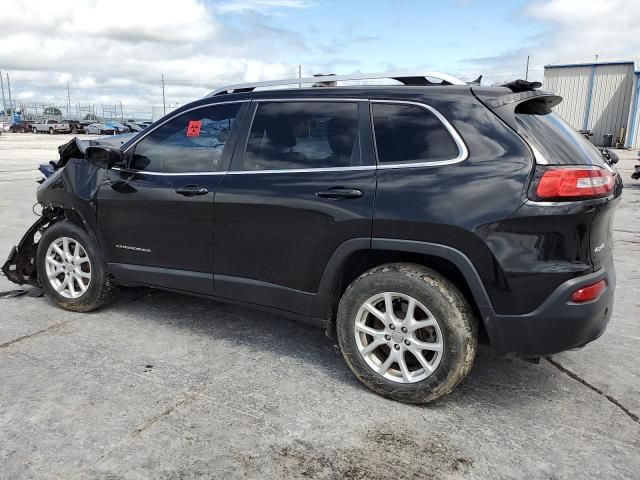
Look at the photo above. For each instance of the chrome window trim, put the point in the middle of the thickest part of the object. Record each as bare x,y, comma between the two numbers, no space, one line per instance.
168,174
311,99
304,170
463,152
462,148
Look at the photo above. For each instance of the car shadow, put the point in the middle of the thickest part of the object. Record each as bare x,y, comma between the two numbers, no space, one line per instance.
493,379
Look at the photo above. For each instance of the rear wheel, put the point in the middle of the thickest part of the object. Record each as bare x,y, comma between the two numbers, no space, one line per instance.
51,131
407,332
71,270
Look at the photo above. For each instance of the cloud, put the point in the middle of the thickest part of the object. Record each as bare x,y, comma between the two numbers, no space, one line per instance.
609,28
164,21
261,5
117,50
574,31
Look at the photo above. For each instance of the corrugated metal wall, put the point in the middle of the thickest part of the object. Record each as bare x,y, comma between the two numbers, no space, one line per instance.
633,139
572,84
596,97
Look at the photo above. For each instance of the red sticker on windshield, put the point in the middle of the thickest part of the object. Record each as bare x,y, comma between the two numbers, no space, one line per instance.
193,129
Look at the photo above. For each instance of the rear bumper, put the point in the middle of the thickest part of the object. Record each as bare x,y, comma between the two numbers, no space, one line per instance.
558,324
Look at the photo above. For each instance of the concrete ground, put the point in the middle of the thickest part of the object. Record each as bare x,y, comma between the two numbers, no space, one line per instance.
159,385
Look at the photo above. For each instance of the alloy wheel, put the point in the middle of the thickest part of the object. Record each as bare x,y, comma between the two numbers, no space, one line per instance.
68,267
398,337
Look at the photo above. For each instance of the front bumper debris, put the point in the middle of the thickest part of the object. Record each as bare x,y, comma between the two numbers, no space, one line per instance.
20,267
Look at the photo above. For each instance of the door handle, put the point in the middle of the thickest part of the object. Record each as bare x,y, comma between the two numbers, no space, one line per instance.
192,190
339,193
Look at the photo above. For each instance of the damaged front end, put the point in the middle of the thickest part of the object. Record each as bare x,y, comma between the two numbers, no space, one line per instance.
67,192
20,267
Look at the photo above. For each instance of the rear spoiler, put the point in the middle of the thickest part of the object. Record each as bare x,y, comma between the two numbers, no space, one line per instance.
506,103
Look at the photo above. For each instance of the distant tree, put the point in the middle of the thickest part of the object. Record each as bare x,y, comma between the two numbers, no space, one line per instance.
51,111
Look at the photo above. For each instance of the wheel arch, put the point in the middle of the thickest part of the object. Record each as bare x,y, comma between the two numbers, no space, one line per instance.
354,258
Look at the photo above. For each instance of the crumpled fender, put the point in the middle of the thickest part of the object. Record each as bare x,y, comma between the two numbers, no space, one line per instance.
21,267
67,193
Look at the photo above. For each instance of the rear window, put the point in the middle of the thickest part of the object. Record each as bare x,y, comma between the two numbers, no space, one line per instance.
556,140
410,134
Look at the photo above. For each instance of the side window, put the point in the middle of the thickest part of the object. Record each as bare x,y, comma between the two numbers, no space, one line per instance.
191,142
410,134
291,135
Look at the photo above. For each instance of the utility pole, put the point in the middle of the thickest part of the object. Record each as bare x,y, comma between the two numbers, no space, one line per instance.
121,114
10,101
68,101
164,106
526,73
299,74
4,103
596,57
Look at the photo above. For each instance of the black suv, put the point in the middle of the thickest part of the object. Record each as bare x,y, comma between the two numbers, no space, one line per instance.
410,221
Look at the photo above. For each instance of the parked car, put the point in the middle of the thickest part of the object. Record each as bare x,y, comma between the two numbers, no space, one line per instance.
5,126
50,126
76,126
21,127
133,127
118,127
99,129
409,221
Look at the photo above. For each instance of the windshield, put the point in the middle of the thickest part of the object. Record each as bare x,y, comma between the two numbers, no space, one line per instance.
556,140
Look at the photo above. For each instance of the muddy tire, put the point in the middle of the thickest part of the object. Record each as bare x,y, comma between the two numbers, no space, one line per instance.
71,269
407,332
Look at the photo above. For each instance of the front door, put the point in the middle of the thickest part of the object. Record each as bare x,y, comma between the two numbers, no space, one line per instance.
302,183
155,217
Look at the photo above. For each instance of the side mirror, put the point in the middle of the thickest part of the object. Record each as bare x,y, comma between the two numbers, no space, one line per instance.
103,156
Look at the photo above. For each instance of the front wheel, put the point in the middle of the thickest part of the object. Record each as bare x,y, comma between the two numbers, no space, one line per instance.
407,332
71,270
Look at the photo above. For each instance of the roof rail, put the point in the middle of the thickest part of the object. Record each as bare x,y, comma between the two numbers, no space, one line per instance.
413,79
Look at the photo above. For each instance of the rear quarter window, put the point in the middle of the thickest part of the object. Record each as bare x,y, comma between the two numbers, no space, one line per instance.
411,134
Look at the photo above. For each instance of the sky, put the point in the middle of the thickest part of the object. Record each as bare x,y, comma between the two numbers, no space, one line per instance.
118,50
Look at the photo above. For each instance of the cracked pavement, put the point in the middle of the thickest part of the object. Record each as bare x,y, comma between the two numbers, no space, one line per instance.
159,385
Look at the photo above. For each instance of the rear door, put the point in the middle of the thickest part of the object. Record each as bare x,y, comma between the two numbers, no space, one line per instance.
302,183
155,217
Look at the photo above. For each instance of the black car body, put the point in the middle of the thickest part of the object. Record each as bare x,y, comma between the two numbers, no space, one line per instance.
76,126
483,186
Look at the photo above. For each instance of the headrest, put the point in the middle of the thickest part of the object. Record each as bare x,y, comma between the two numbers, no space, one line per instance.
280,133
341,133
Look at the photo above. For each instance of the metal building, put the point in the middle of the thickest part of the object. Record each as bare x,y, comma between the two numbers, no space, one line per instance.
633,137
598,97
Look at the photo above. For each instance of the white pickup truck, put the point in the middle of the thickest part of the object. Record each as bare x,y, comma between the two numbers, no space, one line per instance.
50,126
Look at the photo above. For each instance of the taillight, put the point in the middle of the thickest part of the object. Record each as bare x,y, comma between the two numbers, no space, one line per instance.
588,293
572,183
